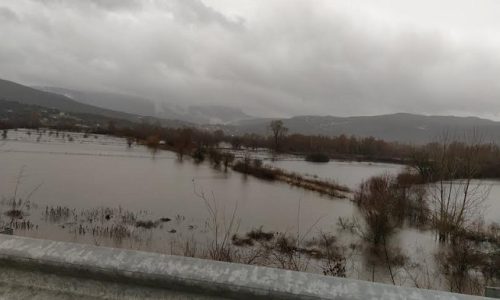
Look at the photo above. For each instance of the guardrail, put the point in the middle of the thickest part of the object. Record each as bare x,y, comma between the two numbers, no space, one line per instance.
189,275
493,292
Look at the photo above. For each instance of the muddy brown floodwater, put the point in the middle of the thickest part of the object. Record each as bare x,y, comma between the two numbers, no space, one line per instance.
94,189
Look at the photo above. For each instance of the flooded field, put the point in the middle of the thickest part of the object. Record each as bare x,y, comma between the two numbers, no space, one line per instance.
95,172
347,173
95,189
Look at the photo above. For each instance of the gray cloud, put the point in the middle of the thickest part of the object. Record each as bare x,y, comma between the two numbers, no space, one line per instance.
280,58
7,15
109,5
195,12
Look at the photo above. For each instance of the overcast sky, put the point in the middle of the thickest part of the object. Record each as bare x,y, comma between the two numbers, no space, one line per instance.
268,57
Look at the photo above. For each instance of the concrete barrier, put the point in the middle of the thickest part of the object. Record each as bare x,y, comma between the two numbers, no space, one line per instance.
137,270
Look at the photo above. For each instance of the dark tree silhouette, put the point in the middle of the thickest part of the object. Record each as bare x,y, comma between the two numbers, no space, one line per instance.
278,131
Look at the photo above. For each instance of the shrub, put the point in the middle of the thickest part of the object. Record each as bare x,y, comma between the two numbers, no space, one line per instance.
259,172
146,224
318,157
260,235
199,154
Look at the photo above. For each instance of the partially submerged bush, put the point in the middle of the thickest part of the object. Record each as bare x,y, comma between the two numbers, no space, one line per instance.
458,263
14,213
227,159
376,200
199,154
146,224
257,171
153,141
255,168
318,157
241,241
287,251
260,235
255,235
215,157
387,202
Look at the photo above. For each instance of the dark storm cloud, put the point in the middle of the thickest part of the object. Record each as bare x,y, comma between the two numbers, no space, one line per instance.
278,58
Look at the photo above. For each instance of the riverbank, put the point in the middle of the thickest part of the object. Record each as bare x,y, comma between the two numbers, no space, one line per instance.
269,173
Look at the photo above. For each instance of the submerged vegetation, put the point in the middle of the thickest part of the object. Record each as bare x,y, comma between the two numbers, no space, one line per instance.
197,142
451,209
317,157
435,194
257,169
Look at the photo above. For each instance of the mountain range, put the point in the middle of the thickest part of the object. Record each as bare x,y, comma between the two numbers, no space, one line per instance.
12,91
198,114
399,127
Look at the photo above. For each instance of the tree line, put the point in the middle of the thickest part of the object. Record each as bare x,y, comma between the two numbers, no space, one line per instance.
187,140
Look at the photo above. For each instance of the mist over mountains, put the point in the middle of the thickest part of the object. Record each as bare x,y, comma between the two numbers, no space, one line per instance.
400,127
12,91
26,95
198,114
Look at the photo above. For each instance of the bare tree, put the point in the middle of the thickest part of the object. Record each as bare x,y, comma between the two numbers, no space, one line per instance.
278,131
456,198
184,142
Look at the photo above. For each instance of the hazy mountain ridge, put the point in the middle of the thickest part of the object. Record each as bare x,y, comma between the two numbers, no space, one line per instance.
115,101
400,127
30,96
26,95
199,114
